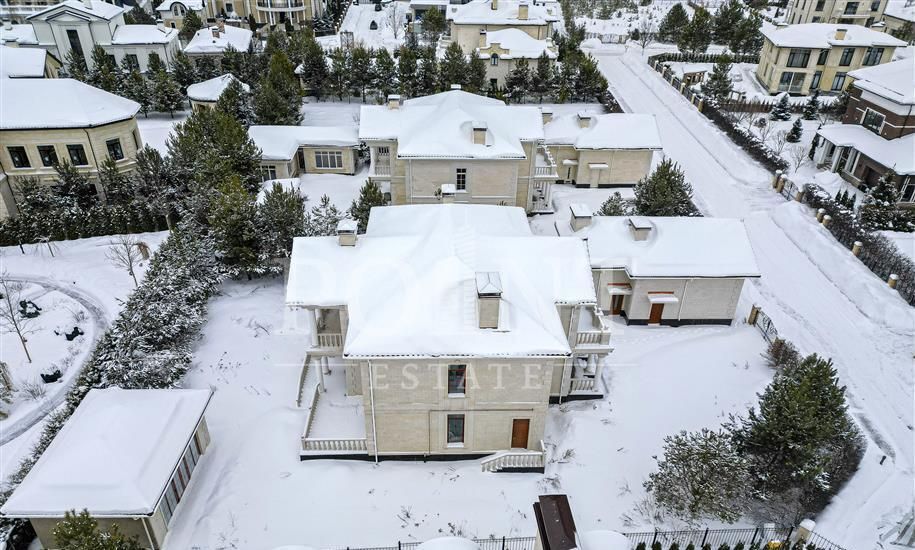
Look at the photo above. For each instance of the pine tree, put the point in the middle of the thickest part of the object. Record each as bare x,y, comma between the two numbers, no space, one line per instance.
235,101
476,74
139,16
427,72
615,205
191,25
369,196
136,87
233,63
697,35
433,24
152,179
568,75
839,106
590,84
406,70
747,37
76,66
797,130
879,208
74,186
104,73
167,96
154,63
384,75
281,217
812,107
727,21
518,81
205,68
233,220
278,99
338,79
673,24
543,79
781,110
314,66
719,85
362,70
701,475
81,532
115,184
453,68
323,218
664,193
276,42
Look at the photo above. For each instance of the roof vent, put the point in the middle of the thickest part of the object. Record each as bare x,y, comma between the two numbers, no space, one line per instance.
640,228
393,101
581,216
479,132
523,10
489,298
215,31
346,232
7,24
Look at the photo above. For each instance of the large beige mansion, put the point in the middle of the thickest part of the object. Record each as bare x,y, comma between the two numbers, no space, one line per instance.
467,21
443,330
843,12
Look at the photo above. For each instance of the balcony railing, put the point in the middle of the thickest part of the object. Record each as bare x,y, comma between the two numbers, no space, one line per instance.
354,445
593,338
545,171
330,340
381,169
280,4
515,458
582,385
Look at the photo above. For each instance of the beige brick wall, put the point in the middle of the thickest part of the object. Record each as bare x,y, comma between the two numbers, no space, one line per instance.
468,36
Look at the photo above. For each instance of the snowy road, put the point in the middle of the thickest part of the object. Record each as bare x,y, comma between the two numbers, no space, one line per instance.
819,296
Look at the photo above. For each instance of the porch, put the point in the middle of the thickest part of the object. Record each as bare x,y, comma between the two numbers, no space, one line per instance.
592,344
335,423
545,174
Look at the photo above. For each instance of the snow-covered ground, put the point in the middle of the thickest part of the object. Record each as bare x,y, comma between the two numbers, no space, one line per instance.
341,189
252,491
818,295
389,23
154,130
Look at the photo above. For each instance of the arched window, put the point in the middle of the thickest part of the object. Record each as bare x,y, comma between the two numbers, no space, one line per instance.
494,59
178,10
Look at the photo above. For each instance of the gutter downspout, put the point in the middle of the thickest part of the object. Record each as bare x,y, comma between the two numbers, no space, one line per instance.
683,301
372,396
152,543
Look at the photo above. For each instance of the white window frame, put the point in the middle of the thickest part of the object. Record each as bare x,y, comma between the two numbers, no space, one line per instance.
458,184
879,127
329,160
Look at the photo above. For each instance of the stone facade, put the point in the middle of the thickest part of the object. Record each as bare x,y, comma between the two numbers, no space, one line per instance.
864,12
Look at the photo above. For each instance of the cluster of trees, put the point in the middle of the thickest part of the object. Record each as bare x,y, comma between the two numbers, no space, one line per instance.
665,192
782,460
730,26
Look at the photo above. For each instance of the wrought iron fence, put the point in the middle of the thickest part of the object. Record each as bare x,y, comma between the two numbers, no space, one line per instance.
817,542
765,325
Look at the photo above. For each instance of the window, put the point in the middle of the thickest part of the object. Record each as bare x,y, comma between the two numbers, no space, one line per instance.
114,149
132,61
48,155
329,159
815,82
178,10
851,8
824,55
791,82
872,120
816,19
494,59
875,5
907,193
19,156
455,429
230,8
838,83
798,58
456,375
460,179
872,56
384,151
268,173
75,44
847,54
820,5
77,155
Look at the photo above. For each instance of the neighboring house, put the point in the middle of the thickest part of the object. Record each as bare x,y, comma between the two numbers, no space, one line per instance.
43,121
608,150
126,456
82,25
214,41
877,132
447,329
204,95
668,271
502,50
843,12
22,35
899,15
468,20
289,151
18,62
172,12
484,150
800,58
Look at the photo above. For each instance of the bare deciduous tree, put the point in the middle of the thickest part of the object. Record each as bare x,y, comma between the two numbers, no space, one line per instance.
127,252
395,19
798,156
646,33
12,318
779,141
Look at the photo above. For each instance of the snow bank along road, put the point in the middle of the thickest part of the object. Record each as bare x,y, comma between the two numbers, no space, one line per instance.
817,294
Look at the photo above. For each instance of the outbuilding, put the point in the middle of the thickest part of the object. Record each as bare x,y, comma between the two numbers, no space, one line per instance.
288,151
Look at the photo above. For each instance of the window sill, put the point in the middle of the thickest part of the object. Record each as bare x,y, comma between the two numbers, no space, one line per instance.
455,446
457,395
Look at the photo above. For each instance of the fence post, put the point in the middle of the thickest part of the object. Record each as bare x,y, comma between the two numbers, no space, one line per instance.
893,280
503,543
753,540
781,184
799,196
856,247
704,536
398,545
754,313
655,537
776,178
820,213
805,529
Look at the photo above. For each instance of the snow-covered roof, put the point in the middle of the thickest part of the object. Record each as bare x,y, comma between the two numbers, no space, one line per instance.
95,8
894,81
210,90
607,131
21,34
410,285
281,142
892,153
190,5
440,126
22,62
113,456
480,12
603,540
678,247
204,42
900,9
143,34
519,44
823,35
31,103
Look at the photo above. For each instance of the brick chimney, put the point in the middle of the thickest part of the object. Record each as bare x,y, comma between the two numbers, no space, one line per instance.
221,25
394,101
479,132
482,43
523,10
581,216
584,119
495,5
215,31
489,298
640,228
546,114
346,232
840,34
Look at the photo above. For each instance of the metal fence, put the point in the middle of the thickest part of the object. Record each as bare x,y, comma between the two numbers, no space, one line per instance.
817,542
764,323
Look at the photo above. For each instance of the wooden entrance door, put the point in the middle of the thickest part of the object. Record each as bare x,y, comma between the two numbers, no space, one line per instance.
520,429
654,316
616,304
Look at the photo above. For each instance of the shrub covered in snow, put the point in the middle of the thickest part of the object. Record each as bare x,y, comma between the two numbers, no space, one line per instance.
747,140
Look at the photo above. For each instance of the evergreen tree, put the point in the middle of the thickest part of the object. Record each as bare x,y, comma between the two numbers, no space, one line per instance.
453,68
369,196
167,96
276,42
153,179
719,85
879,208
543,79
233,220
812,107
281,217
406,70
664,193
476,74
205,67
192,24
322,220
797,130
673,24
360,70
81,532
518,81
314,66
433,24
73,186
427,72
697,35
590,84
727,21
139,16
615,205
115,184
183,70
839,106
338,80
701,475
235,101
781,110
904,32
104,73
385,73
568,75
76,66
747,38
278,99
136,87
233,63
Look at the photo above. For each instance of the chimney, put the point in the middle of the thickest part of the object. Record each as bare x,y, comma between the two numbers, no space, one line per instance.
393,101
489,298
455,86
221,25
581,216
160,24
215,31
88,3
546,114
640,228
482,43
495,5
584,119
479,132
346,232
522,10
7,24
447,191
840,34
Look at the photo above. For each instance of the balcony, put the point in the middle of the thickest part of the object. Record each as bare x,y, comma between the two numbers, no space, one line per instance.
544,165
335,423
380,168
593,334
281,5
328,337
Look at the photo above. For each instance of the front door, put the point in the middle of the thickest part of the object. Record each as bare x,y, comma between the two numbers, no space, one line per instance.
654,316
520,429
616,304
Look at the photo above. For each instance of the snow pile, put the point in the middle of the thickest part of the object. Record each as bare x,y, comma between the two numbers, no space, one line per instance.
603,540
190,5
21,34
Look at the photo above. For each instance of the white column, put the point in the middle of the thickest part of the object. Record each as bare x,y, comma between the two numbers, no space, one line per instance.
321,361
313,321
